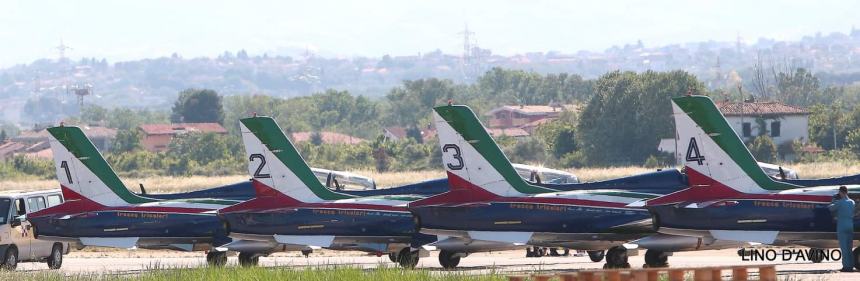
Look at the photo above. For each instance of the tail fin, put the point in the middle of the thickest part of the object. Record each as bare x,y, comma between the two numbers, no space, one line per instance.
275,162
470,154
712,152
83,170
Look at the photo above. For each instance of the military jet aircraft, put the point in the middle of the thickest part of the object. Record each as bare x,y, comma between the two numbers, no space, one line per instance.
294,211
489,207
100,211
729,197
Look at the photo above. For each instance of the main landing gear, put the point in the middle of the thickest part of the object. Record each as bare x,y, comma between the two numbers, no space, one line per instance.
407,258
248,259
216,258
596,256
856,256
654,258
449,259
616,257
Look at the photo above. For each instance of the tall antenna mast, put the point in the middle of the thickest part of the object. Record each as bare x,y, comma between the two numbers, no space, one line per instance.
61,50
468,62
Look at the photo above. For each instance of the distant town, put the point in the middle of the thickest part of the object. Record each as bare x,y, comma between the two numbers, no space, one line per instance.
60,85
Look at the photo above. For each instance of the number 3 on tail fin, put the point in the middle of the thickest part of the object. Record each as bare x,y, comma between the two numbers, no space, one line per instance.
456,149
693,153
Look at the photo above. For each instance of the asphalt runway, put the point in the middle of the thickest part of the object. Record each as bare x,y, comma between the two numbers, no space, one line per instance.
510,262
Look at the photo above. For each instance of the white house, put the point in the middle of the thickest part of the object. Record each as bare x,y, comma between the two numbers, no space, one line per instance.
781,122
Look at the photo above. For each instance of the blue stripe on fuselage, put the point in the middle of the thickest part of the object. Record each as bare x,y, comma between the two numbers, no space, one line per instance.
756,215
322,221
131,224
527,217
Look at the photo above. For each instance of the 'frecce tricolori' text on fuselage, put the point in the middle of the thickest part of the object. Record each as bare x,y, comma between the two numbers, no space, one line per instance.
488,203
293,210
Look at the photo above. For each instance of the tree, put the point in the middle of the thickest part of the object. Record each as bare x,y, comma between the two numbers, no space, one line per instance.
853,141
316,138
559,137
3,135
763,149
414,133
127,140
198,106
629,114
413,101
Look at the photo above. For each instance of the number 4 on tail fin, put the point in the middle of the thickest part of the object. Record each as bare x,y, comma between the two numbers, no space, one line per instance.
693,153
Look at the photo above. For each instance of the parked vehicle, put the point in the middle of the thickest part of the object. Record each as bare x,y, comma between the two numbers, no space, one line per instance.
17,241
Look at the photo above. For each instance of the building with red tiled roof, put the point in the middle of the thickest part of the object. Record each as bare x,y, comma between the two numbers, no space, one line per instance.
101,137
759,109
783,123
327,138
156,137
510,116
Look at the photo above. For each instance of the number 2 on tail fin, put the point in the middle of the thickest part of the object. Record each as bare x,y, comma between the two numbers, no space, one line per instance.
457,156
693,153
258,173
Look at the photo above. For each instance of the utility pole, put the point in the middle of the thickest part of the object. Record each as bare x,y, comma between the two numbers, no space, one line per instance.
468,63
61,49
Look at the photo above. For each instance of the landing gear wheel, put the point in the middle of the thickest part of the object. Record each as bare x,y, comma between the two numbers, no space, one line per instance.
816,255
248,259
216,258
529,253
856,255
392,257
55,260
539,251
307,253
448,259
407,258
10,261
596,256
566,252
616,257
654,258
553,252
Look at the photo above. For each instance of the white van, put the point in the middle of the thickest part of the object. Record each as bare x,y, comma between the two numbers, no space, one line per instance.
17,243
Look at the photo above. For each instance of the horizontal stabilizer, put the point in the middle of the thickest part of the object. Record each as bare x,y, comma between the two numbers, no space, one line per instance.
764,237
119,242
312,241
502,236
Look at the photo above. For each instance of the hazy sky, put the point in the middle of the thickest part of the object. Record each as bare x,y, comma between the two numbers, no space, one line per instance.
124,30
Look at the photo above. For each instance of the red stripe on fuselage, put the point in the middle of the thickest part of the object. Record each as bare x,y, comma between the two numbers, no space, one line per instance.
704,188
462,191
270,200
76,203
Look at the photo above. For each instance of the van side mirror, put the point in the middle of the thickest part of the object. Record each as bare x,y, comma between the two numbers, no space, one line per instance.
16,221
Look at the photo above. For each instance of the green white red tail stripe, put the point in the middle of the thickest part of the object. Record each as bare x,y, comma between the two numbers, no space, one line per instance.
275,162
470,153
708,146
81,168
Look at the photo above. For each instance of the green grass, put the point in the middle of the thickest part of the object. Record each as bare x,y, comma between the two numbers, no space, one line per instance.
261,273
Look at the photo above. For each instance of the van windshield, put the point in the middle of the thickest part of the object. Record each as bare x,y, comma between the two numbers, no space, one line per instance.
5,204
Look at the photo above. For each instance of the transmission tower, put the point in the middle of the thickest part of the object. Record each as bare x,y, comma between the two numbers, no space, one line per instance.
469,63
61,50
